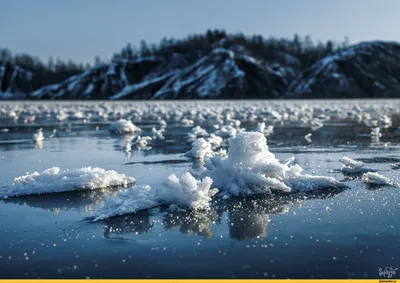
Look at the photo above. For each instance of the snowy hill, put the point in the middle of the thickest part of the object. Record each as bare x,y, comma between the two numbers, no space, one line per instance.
15,82
101,81
368,69
227,70
223,73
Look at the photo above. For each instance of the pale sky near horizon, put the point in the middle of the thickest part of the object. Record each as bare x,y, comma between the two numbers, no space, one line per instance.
81,29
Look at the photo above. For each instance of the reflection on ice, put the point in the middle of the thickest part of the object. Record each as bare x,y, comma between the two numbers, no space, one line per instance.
137,223
246,218
82,201
194,222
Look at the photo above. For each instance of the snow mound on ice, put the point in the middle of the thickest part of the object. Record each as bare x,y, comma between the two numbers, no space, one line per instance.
38,136
251,168
53,180
123,126
201,149
185,192
129,201
351,166
376,179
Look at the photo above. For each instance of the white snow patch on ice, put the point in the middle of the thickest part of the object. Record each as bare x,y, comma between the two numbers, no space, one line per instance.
54,180
377,179
123,126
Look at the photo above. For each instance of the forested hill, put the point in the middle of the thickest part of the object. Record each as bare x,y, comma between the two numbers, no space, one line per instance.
212,65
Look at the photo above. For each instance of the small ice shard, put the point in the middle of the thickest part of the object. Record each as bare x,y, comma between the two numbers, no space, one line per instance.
195,133
201,149
53,180
376,132
187,122
385,122
123,126
30,119
143,142
265,131
128,147
53,134
376,179
308,137
351,166
162,123
158,134
316,124
38,136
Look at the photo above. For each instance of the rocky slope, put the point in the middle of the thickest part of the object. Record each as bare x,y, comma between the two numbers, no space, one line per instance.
368,69
223,73
15,82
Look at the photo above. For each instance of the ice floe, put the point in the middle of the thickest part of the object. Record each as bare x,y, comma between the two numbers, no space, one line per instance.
376,179
55,180
351,166
123,126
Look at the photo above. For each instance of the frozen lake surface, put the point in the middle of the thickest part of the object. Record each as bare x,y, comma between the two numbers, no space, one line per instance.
335,233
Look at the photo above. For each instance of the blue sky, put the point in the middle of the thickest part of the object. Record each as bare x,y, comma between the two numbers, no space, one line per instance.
81,29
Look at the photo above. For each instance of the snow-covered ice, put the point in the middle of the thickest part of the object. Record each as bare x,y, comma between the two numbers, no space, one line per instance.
185,192
55,180
129,201
38,136
188,192
251,168
201,149
123,126
376,179
351,166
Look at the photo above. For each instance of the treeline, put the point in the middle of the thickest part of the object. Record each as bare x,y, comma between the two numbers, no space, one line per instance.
265,49
193,47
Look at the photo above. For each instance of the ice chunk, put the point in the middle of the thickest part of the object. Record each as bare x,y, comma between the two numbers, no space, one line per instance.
158,134
129,201
308,137
214,140
53,180
142,142
196,132
316,124
226,131
265,131
188,192
38,136
251,168
185,192
123,126
201,149
375,178
352,166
